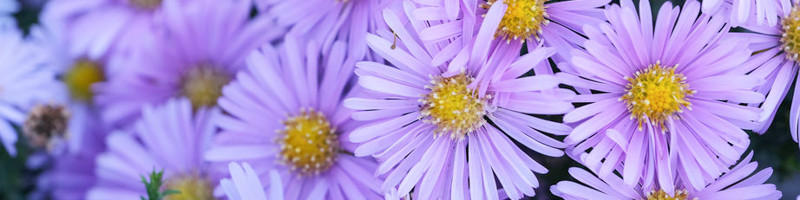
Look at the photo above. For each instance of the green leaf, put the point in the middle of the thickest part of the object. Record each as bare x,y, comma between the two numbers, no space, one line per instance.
153,186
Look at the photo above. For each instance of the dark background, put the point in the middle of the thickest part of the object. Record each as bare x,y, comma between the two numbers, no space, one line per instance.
774,149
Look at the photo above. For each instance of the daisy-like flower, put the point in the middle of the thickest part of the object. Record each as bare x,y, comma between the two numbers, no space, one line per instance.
776,60
449,136
203,46
546,23
171,137
24,83
738,184
664,93
245,184
285,113
743,12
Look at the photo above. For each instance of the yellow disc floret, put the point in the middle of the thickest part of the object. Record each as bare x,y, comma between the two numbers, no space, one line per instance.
655,94
790,39
191,187
522,20
452,106
308,143
80,78
661,195
202,85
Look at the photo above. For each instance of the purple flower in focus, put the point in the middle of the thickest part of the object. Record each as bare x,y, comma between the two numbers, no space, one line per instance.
493,23
285,113
203,46
171,137
744,12
738,184
663,101
244,184
431,129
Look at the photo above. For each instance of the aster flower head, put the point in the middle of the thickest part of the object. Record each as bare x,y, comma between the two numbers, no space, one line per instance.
492,24
171,137
24,83
191,59
245,184
778,46
430,126
285,113
661,93
738,184
752,12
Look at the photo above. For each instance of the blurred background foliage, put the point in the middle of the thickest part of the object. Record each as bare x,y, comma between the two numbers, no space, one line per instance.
774,149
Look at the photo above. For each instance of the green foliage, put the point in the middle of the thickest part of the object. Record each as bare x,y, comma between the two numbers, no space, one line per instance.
154,186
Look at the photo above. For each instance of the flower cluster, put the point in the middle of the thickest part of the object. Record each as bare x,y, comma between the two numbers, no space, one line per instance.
395,99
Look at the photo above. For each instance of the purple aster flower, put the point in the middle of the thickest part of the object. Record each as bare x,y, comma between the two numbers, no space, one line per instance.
245,184
25,83
554,24
664,93
742,12
73,174
449,135
171,137
203,46
778,46
285,113
330,20
738,184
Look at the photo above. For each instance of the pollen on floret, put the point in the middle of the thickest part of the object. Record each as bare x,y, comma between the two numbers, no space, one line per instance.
790,37
452,106
80,78
202,84
146,4
191,187
308,143
655,94
661,195
522,20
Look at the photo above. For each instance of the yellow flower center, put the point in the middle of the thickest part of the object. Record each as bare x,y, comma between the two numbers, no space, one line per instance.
146,4
80,78
790,39
308,143
452,106
203,85
655,94
191,187
661,195
523,19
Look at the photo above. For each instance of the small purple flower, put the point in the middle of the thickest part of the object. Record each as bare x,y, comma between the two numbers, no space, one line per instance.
738,184
203,46
661,93
285,113
244,184
447,134
171,137
25,82
743,12
556,24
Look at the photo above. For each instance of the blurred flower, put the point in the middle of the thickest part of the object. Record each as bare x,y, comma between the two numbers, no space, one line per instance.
329,21
170,137
244,184
505,25
738,184
285,113
203,46
431,130
24,82
743,12
661,96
